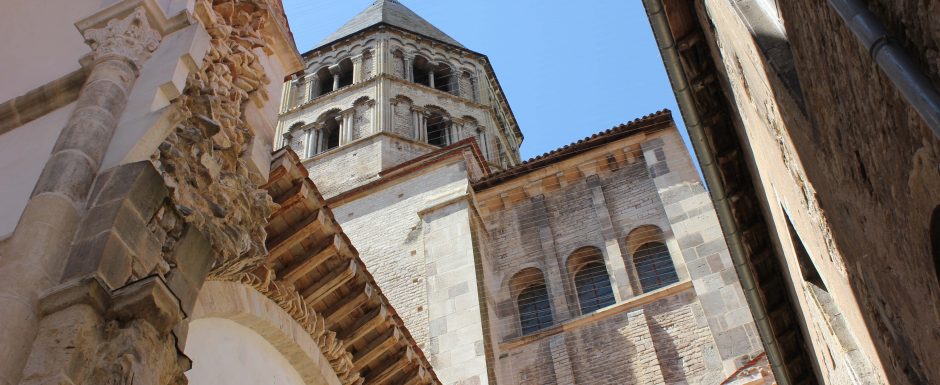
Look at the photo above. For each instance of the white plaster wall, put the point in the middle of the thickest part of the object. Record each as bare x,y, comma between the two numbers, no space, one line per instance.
23,153
224,352
38,45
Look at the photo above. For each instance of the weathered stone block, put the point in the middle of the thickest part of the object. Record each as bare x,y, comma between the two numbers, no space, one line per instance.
105,256
148,299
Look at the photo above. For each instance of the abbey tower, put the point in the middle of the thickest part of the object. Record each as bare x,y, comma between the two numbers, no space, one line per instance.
387,87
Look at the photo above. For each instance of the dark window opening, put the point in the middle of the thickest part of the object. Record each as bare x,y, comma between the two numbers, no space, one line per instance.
438,130
329,134
593,287
345,73
421,70
444,79
535,311
807,267
654,266
324,82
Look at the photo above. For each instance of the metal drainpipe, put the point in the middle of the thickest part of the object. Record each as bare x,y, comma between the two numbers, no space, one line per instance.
893,60
706,158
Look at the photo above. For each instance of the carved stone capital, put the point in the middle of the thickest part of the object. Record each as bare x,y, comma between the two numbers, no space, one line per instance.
130,38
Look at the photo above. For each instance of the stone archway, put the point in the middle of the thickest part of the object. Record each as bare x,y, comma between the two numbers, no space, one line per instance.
264,325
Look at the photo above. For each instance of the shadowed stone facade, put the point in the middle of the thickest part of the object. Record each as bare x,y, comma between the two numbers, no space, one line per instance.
825,172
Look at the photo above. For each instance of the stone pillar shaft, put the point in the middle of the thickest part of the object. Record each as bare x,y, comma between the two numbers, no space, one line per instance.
409,69
39,247
335,82
431,78
357,69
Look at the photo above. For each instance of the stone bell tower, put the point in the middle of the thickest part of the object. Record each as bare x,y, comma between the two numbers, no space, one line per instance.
386,88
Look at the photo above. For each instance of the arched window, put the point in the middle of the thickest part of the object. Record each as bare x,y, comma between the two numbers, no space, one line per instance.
651,259
444,79
421,70
654,266
345,73
327,136
439,128
532,301
592,284
330,132
324,82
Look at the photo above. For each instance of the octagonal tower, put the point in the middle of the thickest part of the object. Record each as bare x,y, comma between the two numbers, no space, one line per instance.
386,88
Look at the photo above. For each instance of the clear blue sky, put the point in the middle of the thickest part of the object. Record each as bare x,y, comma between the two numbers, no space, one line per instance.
568,69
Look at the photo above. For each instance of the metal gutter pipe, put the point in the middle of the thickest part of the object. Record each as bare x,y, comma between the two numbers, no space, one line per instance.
707,161
892,59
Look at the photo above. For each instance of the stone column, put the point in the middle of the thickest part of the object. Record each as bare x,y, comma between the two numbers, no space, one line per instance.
357,68
484,144
341,121
285,96
409,70
317,138
349,123
431,78
380,56
40,243
309,86
308,142
335,70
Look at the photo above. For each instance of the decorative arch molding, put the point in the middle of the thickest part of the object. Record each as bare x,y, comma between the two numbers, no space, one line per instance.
246,306
328,113
343,52
573,251
642,234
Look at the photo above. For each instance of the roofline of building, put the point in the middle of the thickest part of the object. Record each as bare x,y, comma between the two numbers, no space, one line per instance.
649,123
486,61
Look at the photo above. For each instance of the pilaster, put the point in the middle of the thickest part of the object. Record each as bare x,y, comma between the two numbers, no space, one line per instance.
39,245
357,68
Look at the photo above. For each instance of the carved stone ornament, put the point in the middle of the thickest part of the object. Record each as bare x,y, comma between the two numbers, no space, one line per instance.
131,38
203,161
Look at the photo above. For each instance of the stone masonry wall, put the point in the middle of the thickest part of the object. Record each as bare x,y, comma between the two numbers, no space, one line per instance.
874,164
414,236
610,199
657,343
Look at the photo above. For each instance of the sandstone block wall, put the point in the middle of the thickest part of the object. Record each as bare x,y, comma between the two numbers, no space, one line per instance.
415,237
615,199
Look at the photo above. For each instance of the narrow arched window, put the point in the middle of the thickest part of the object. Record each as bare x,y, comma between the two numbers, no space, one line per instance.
654,266
444,79
421,71
593,286
439,129
535,311
532,301
591,281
